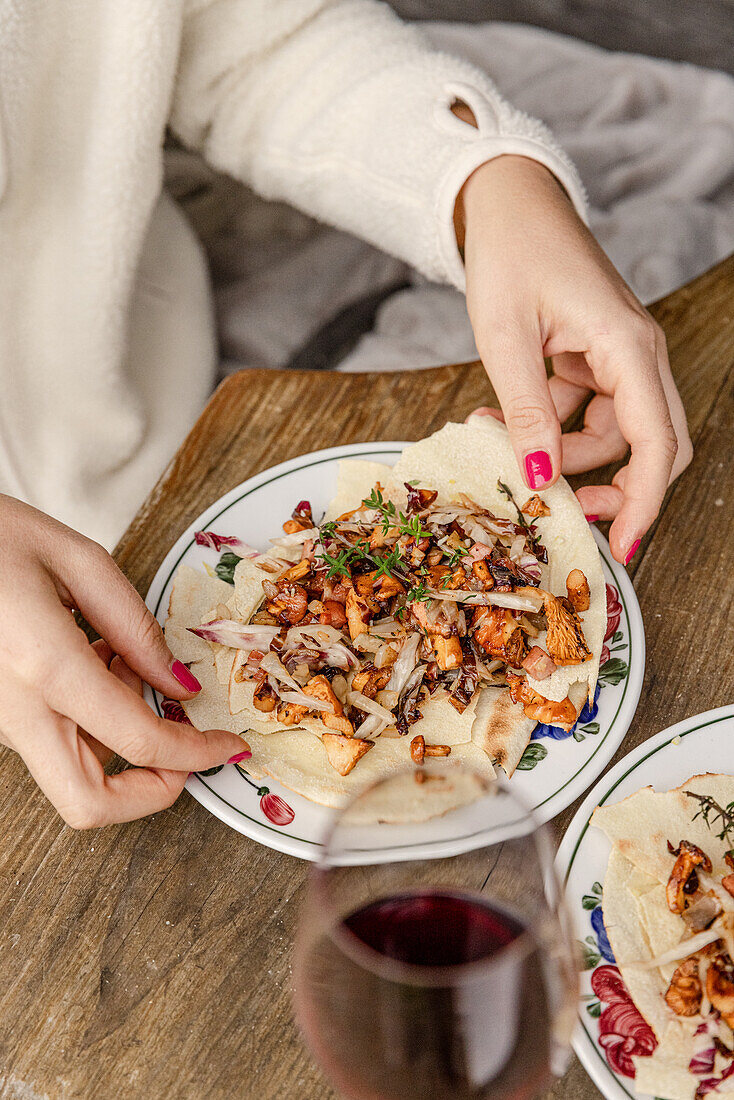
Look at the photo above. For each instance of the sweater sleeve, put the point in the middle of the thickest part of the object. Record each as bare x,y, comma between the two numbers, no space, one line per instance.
343,110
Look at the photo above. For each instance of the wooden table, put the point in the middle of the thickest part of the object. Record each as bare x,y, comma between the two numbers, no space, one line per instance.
152,960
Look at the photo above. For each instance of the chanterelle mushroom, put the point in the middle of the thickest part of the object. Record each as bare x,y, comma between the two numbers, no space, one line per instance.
577,586
565,638
720,987
681,886
685,992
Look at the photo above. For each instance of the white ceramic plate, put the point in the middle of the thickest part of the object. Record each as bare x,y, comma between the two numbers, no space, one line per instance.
552,773
699,744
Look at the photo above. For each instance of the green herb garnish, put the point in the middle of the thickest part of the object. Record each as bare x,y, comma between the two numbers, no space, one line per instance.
711,812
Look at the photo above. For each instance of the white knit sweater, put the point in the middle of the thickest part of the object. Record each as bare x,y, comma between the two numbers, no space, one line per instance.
106,335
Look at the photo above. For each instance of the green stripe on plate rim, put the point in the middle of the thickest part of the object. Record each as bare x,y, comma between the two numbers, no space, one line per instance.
602,802
319,462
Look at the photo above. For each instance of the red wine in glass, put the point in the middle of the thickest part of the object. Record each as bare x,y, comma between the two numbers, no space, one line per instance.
429,995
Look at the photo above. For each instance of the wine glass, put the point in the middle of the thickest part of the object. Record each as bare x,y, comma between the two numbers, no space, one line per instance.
434,960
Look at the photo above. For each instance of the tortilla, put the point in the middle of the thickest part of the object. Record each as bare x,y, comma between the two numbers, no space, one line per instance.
640,925
459,458
355,481
471,458
296,757
641,825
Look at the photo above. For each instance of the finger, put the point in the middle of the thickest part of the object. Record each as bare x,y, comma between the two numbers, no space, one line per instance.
567,396
103,651
126,675
573,367
103,754
111,605
677,412
600,502
599,441
513,357
70,775
630,363
484,410
81,687
119,669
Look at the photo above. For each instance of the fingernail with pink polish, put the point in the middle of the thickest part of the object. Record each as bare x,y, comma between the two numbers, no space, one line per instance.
185,676
632,551
239,756
538,468
591,519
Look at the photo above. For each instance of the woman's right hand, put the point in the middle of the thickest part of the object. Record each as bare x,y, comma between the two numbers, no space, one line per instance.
67,706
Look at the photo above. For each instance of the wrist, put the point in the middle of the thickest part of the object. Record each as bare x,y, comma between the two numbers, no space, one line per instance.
508,175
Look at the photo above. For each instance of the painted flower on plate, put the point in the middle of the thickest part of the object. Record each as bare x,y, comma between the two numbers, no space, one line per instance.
623,1032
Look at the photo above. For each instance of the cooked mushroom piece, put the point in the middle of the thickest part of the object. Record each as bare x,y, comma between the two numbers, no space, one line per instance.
679,890
320,688
537,707
357,615
578,591
535,507
264,698
344,752
728,883
565,637
419,749
685,992
720,987
448,652
702,913
499,635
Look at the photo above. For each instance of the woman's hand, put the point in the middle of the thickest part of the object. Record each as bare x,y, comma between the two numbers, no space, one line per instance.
538,285
67,707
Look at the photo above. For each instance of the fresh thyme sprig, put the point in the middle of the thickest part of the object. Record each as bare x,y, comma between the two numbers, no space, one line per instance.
711,812
533,540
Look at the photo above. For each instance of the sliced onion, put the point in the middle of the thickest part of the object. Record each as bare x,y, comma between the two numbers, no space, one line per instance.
297,538
314,635
236,635
367,643
275,667
369,706
387,698
384,656
303,700
270,565
338,656
404,664
387,628
340,688
270,589
680,951
496,599
517,547
371,727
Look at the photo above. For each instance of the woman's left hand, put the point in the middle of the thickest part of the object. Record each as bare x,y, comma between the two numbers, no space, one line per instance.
539,285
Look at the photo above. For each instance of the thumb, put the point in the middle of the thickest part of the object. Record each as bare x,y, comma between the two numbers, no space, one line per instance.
117,612
514,362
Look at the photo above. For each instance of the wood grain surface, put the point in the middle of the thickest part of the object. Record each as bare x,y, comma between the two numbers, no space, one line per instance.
152,960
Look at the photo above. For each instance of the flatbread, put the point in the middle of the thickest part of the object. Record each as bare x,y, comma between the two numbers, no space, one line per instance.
491,727
640,925
501,729
641,825
297,758
471,458
355,481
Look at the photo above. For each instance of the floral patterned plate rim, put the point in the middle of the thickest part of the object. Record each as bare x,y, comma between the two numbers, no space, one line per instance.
556,767
610,1030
